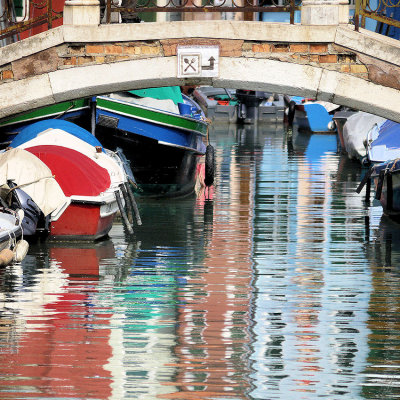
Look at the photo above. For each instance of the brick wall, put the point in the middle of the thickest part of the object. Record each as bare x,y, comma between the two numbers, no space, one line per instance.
324,55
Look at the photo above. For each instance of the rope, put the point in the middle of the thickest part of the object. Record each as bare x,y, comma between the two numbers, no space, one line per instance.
394,164
208,121
8,196
29,183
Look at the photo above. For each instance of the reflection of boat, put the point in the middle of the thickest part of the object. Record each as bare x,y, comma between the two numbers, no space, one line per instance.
242,106
311,115
161,131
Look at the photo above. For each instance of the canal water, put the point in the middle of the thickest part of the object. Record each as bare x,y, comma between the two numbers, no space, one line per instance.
278,283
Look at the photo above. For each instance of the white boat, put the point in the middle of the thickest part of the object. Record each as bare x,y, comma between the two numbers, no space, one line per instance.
10,228
357,131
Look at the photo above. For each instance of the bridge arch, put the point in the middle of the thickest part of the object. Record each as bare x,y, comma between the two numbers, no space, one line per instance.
66,64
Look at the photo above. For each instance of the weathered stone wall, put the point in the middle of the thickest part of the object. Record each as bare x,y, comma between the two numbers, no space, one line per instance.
325,55
329,63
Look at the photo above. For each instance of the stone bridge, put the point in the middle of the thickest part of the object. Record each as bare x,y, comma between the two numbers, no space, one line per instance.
331,62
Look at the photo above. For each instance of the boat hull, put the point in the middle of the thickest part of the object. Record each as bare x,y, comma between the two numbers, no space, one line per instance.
10,230
83,221
160,170
164,148
313,117
76,111
243,107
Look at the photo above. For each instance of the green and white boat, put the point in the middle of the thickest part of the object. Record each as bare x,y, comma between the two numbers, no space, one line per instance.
162,132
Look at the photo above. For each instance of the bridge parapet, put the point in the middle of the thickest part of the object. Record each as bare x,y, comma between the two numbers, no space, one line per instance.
78,61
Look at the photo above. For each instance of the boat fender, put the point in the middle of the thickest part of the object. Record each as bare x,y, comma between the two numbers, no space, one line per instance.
6,257
20,214
379,186
21,250
291,110
210,166
331,125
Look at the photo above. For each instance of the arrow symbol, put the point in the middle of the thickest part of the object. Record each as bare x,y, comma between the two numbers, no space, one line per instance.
211,65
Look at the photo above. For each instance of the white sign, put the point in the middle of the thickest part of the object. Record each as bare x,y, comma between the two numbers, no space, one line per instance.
198,61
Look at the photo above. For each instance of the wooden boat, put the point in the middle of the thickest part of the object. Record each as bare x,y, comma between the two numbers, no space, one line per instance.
161,131
311,115
239,106
88,180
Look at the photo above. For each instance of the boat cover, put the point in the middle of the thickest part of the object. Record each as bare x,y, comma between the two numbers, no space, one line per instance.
162,93
387,145
77,174
34,178
355,132
162,105
58,137
32,131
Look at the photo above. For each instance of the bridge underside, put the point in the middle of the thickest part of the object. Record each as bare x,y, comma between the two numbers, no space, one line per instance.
236,70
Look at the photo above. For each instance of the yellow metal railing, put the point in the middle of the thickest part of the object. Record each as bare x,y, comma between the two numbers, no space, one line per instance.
385,12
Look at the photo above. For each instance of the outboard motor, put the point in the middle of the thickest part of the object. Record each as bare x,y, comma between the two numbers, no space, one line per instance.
32,213
249,102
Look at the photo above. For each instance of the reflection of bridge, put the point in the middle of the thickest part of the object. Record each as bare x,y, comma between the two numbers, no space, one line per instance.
82,58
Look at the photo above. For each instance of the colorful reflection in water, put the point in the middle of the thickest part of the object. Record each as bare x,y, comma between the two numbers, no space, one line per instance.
277,284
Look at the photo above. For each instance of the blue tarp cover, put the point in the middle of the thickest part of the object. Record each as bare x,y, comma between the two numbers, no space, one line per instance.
389,135
31,131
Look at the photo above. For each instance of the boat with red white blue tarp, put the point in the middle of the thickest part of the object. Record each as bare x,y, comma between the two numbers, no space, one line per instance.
91,181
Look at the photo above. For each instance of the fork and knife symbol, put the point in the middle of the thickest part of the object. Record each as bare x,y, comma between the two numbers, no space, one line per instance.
189,64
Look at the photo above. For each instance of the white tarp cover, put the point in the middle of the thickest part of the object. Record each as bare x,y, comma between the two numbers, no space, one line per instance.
355,132
328,106
34,178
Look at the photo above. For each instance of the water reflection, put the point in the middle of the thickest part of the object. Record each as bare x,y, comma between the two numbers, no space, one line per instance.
281,283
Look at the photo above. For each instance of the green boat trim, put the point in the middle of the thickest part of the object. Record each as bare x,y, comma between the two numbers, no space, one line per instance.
48,111
154,116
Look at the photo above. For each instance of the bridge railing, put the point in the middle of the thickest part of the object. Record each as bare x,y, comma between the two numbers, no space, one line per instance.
134,7
32,14
385,12
40,15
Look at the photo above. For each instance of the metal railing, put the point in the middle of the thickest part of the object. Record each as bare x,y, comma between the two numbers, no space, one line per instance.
198,6
35,13
385,12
